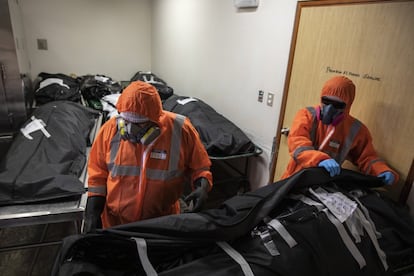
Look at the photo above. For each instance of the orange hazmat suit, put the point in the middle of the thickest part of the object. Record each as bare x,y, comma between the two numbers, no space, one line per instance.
145,181
351,140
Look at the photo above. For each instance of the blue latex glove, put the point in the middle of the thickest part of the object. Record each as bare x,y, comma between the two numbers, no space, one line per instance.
387,177
331,166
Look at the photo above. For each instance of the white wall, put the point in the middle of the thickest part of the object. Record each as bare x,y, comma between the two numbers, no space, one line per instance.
224,56
89,37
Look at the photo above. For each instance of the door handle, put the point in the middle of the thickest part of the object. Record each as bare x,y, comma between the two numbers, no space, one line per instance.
285,131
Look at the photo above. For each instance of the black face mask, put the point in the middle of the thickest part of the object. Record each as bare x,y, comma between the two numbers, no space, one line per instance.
329,113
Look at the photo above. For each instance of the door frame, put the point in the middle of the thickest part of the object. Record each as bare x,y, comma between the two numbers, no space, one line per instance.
277,140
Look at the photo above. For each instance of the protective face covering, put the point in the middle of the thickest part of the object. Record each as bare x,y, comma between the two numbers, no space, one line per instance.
329,113
138,133
341,88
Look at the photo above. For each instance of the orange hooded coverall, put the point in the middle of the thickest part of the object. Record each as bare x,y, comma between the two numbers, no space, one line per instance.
351,138
141,182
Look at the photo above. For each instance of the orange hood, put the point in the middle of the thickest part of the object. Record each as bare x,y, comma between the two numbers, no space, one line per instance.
342,88
142,99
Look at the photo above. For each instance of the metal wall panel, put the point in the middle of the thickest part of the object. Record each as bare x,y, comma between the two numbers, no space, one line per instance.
12,102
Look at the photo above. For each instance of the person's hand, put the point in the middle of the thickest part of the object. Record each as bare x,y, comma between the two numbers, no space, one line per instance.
331,166
387,177
89,225
94,207
199,195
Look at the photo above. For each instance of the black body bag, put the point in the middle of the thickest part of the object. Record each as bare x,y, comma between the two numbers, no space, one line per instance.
240,237
219,135
37,167
162,87
56,87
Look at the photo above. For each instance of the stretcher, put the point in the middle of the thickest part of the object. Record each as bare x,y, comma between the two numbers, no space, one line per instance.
237,167
68,209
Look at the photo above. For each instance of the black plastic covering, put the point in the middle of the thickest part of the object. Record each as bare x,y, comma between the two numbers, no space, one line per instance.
185,244
48,168
162,87
219,135
67,90
98,86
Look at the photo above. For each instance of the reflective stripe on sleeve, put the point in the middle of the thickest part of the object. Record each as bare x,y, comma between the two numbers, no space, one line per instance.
237,257
371,163
98,190
300,150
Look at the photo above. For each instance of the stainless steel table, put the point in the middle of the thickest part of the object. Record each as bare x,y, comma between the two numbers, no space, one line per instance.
69,209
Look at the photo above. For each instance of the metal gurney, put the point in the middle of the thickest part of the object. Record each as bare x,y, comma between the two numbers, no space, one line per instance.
68,209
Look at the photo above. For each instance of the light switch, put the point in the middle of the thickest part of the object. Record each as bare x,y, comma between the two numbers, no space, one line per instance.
260,96
270,97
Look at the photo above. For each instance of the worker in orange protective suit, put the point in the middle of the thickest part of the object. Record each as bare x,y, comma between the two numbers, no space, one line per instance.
327,135
140,160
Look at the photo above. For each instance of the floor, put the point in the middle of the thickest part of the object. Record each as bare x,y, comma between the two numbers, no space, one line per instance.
36,261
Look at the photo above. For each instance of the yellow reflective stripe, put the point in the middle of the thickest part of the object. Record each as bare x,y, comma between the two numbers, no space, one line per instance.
356,126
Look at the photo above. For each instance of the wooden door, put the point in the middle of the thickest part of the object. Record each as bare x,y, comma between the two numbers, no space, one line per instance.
372,43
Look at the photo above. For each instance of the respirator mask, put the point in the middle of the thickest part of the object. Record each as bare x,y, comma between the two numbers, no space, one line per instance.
143,133
331,111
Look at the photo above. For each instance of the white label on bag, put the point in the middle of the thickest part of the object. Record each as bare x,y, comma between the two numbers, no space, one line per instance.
339,205
186,101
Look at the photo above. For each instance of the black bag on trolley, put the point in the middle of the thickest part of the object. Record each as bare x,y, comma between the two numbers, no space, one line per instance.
269,231
162,87
48,155
56,87
95,87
